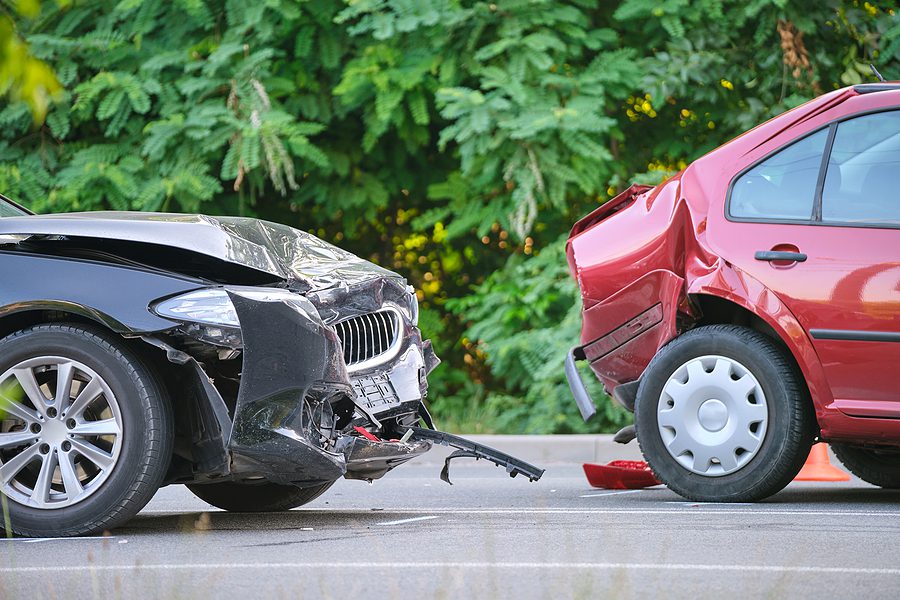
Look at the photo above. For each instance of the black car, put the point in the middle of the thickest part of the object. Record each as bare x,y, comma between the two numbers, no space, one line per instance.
251,361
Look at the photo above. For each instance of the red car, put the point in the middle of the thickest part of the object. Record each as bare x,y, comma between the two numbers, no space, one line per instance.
750,304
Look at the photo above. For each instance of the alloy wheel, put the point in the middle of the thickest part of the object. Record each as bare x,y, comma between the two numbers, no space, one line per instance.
60,432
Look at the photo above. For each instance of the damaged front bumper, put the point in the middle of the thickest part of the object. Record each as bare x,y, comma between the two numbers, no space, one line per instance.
300,414
469,449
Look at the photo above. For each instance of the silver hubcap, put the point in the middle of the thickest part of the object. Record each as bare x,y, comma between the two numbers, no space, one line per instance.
712,415
60,432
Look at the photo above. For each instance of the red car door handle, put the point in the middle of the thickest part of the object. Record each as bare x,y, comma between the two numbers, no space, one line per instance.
773,255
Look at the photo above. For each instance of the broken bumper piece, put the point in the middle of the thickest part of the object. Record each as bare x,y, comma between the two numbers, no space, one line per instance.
576,384
370,458
469,449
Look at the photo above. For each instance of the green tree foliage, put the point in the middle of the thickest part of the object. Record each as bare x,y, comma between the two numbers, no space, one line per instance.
23,78
453,140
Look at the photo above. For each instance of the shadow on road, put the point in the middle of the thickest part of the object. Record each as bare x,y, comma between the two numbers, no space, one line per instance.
811,496
830,494
298,520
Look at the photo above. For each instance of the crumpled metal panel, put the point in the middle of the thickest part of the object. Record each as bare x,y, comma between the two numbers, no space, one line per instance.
362,295
370,460
284,428
400,381
284,252
662,254
292,365
622,354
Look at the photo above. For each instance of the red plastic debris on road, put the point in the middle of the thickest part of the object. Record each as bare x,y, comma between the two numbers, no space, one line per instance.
620,475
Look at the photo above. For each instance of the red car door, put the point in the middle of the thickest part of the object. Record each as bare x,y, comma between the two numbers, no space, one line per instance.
818,223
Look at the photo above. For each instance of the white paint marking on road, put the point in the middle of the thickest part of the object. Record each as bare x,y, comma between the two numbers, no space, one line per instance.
687,503
67,539
412,520
758,509
464,565
610,493
755,511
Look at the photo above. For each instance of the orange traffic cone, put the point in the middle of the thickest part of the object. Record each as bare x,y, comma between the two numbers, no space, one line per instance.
819,468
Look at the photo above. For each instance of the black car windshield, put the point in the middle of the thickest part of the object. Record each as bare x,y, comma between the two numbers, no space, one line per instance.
8,208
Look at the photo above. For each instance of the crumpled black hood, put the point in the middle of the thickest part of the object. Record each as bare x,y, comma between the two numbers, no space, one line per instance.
271,248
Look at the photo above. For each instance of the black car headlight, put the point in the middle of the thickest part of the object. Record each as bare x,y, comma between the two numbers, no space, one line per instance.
207,315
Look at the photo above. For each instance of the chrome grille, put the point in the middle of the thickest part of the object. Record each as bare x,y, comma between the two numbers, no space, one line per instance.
369,336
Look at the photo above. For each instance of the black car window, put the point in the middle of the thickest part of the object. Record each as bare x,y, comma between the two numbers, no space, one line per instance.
862,182
8,209
782,186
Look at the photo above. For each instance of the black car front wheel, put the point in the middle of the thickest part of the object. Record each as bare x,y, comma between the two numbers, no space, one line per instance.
722,415
259,497
85,432
878,466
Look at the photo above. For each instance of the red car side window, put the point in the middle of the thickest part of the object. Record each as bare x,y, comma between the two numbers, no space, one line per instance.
783,186
863,176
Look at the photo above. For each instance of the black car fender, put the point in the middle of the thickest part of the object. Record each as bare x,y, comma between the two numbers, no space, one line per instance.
115,296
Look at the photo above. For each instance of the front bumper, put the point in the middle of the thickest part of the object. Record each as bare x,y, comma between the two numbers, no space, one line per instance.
300,418
283,417
293,416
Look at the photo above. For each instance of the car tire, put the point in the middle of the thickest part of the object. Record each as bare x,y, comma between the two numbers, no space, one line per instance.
260,497
99,451
876,466
744,415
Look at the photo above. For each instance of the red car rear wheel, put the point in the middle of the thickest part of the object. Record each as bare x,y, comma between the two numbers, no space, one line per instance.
722,415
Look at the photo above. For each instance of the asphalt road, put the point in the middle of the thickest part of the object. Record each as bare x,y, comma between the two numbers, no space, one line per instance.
488,536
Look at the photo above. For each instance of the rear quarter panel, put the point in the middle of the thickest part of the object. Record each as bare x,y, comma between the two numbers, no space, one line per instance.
730,239
630,269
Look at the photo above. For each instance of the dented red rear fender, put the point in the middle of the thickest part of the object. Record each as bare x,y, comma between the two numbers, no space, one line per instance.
630,264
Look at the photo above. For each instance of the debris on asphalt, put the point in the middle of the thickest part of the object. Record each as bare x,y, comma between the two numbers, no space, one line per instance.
620,475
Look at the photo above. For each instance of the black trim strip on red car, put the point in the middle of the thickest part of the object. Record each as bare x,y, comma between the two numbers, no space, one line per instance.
855,336
823,171
871,88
